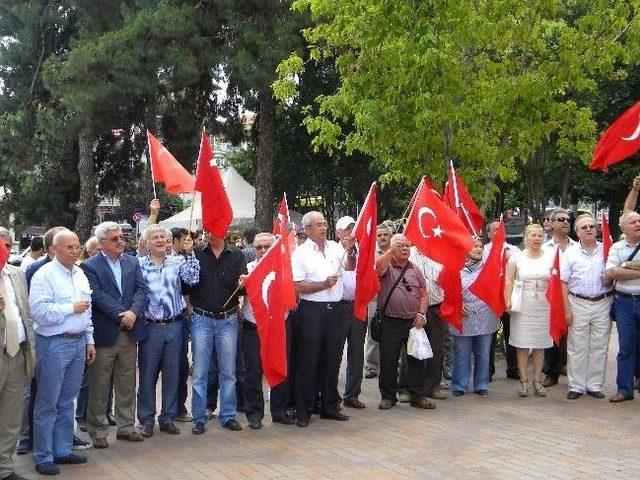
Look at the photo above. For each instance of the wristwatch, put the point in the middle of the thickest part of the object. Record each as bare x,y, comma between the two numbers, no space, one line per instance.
623,264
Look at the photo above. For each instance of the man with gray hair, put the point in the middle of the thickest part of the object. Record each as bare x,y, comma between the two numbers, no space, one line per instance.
119,297
16,358
60,303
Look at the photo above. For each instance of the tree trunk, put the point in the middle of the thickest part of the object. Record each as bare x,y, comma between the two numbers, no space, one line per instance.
265,153
86,205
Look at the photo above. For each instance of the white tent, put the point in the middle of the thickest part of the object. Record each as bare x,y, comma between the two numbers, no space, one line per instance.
241,195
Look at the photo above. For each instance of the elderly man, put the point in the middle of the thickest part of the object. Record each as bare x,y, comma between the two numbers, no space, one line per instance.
402,301
355,330
119,296
623,267
318,268
215,325
60,304
92,246
164,317
372,364
588,295
16,361
555,357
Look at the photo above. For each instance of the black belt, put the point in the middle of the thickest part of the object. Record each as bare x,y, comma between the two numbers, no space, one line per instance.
633,296
346,302
327,305
592,299
164,321
400,318
67,335
216,315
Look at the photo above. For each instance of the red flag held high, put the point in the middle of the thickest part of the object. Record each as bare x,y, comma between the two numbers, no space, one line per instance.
607,240
489,285
557,320
460,200
267,290
216,208
281,223
620,141
451,308
166,169
435,232
4,254
364,231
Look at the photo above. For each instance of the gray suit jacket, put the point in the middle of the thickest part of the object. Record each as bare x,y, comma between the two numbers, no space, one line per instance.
19,283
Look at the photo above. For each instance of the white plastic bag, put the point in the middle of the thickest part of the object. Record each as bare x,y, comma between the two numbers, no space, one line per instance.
418,345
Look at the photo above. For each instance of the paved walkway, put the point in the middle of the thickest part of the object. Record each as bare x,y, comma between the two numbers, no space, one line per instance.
501,436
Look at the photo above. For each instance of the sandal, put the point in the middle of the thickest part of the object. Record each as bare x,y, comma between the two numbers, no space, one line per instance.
539,389
523,389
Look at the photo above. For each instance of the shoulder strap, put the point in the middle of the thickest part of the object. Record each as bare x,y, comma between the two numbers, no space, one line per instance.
633,254
395,284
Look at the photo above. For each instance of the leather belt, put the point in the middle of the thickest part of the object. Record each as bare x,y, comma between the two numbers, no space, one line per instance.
327,305
346,302
592,299
164,321
216,315
68,335
633,296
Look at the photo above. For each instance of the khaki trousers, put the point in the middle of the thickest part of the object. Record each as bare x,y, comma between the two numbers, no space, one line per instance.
12,380
588,343
119,361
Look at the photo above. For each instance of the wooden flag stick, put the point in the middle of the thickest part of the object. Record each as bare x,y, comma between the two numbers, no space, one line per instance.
231,296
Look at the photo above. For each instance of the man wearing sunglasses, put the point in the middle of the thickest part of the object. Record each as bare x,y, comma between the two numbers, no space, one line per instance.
555,358
588,297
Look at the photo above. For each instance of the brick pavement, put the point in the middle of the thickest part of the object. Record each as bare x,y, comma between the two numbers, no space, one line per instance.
501,436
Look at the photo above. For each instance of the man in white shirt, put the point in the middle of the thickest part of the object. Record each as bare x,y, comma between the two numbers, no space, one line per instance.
317,267
60,302
588,296
36,251
16,358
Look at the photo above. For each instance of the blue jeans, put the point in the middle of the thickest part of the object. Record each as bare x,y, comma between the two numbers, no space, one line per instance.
59,370
206,334
463,348
627,316
161,350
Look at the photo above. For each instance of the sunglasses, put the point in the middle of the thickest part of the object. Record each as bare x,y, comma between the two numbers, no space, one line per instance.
587,227
563,219
406,284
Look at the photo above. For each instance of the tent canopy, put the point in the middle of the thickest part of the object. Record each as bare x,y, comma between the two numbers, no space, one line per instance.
242,197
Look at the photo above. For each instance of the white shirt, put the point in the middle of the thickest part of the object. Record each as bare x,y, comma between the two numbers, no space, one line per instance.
431,271
26,261
11,293
581,270
247,311
618,253
550,245
309,264
54,289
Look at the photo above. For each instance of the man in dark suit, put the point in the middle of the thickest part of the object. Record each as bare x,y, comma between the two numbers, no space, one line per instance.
119,297
16,358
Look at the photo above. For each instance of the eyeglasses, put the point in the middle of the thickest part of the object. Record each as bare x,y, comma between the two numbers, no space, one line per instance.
118,238
563,219
406,284
587,227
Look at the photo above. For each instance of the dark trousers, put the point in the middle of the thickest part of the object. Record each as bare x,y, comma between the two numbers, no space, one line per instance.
83,399
438,332
318,340
394,333
354,332
184,369
509,350
214,382
555,358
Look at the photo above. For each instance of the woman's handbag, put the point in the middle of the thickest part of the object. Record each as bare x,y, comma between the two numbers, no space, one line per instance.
376,321
516,296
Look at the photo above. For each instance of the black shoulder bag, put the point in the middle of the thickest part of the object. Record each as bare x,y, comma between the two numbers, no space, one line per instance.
376,321
612,313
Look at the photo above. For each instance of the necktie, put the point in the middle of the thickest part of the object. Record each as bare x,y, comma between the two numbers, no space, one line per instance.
12,317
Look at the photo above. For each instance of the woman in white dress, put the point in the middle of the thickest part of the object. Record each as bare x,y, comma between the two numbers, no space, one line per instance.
529,320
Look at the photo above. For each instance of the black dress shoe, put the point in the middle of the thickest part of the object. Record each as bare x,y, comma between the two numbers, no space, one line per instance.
170,428
573,395
457,393
232,425
370,375
48,468
595,394
340,417
198,428
24,447
286,420
255,424
302,421
549,381
147,430
513,375
71,459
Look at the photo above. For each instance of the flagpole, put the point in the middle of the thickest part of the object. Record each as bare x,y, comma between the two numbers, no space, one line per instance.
193,198
406,210
456,196
153,181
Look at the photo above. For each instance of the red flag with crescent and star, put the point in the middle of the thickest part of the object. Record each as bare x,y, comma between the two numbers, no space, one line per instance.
282,222
166,169
437,233
268,289
364,231
620,141
557,319
460,200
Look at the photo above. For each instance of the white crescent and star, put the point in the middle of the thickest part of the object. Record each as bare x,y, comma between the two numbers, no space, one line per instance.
266,283
437,231
634,135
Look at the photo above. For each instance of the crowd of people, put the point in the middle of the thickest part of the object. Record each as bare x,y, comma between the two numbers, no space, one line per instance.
87,330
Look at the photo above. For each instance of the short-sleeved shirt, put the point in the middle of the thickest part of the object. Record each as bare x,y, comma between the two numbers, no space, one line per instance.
581,270
431,271
618,253
405,299
309,264
550,245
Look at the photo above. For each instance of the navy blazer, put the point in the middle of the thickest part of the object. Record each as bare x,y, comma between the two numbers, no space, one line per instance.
107,302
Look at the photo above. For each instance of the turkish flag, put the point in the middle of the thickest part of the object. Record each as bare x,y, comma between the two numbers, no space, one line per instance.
267,288
4,254
460,200
281,223
216,208
607,241
437,233
557,320
489,285
621,140
364,231
451,307
166,169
